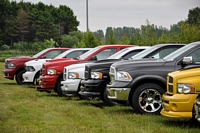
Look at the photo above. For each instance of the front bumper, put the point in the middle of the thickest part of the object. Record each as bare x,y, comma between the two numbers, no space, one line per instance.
47,82
29,76
118,91
70,86
92,87
9,73
178,105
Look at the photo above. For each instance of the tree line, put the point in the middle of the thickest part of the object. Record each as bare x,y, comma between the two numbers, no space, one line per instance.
25,25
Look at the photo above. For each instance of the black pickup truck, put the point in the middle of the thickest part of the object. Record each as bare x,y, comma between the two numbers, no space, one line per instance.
97,74
142,83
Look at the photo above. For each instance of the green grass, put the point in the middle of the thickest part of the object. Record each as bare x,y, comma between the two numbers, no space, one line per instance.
25,110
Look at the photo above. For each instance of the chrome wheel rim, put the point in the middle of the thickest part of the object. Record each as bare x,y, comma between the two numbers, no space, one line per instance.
150,100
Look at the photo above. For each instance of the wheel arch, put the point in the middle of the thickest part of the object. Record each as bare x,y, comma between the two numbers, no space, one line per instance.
147,79
59,77
18,70
38,72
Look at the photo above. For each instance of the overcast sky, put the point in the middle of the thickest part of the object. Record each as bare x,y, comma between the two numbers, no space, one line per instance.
129,13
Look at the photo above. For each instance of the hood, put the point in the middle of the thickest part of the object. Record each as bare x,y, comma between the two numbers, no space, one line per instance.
61,59
130,64
76,66
19,59
37,61
186,73
102,64
60,63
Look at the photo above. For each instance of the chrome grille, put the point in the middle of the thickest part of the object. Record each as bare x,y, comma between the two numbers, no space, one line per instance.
65,74
112,70
112,74
43,70
6,64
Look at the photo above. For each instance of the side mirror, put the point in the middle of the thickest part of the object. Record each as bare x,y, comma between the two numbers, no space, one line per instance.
187,60
94,58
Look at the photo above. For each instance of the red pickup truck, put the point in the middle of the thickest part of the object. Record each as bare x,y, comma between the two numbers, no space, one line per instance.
14,66
52,72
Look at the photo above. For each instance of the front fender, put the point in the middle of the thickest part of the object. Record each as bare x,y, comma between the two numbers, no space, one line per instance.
145,78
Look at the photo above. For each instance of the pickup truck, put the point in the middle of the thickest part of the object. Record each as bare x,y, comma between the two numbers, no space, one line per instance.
73,74
182,99
97,74
14,66
144,83
33,67
52,72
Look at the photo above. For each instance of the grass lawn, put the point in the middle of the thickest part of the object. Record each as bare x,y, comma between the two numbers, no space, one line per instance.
25,110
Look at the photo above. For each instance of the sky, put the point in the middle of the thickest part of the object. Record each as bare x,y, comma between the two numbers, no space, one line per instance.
125,13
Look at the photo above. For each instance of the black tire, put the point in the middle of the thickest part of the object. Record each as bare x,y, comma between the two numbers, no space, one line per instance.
194,119
105,99
19,79
36,77
58,87
79,89
82,97
147,99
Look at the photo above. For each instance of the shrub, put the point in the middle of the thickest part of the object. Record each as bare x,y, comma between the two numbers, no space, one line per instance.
4,47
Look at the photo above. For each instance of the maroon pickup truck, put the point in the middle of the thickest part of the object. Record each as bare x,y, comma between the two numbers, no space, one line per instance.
14,66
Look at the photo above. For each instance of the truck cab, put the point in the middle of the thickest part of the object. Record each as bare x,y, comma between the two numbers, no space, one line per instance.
182,98
143,82
14,66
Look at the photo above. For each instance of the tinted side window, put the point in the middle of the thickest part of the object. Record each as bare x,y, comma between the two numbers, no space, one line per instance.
53,54
105,53
131,53
75,54
195,56
163,52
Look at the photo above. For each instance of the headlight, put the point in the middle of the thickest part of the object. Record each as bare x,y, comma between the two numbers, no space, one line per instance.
30,68
123,76
51,71
73,75
186,88
11,65
96,75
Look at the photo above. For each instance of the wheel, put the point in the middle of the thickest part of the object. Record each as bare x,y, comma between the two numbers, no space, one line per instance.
105,99
19,79
147,99
58,87
196,111
35,78
81,96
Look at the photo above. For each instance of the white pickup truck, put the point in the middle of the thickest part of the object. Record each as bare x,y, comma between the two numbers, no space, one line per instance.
72,75
33,67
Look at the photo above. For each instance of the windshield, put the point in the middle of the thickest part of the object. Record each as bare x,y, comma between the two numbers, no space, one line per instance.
118,55
40,53
145,52
85,55
178,52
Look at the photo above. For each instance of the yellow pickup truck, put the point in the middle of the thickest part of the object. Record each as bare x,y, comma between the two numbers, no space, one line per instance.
182,99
